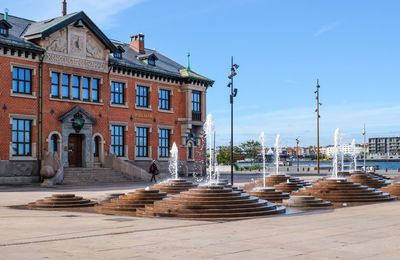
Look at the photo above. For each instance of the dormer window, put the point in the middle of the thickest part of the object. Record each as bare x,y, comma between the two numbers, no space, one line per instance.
4,27
3,31
118,55
151,61
118,52
149,58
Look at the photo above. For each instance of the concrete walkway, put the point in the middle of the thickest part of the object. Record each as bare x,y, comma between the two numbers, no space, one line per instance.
363,232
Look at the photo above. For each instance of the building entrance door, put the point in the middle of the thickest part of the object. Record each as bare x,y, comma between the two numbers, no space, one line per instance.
75,150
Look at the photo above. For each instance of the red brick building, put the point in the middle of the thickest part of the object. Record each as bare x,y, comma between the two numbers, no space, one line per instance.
67,88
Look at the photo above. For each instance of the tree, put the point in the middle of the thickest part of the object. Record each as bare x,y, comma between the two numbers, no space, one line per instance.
224,154
251,149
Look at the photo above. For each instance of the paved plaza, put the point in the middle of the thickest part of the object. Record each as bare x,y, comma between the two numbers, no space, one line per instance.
362,232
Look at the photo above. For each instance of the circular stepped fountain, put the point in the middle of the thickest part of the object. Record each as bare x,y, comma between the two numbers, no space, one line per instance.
109,196
368,180
269,193
307,203
379,175
62,201
131,201
275,179
288,186
343,191
393,189
212,203
174,186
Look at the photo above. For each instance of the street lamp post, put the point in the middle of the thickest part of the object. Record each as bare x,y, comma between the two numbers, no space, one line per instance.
297,152
233,94
318,117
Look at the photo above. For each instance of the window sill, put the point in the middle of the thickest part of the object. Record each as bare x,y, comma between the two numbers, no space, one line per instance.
21,95
143,159
171,111
22,158
144,108
119,106
76,101
163,159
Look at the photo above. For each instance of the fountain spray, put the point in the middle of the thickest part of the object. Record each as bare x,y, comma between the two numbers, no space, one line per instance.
209,129
262,139
354,154
277,150
173,162
336,138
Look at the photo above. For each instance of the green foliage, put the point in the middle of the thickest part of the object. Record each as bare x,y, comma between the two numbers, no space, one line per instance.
251,149
224,154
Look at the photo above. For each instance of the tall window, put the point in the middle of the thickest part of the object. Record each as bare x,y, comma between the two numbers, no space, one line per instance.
196,101
95,90
164,142
164,99
22,80
85,88
54,143
142,96
117,93
142,140
65,86
196,105
55,83
117,140
21,137
75,87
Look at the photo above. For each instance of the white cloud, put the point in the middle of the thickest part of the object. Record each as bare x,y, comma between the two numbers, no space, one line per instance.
326,28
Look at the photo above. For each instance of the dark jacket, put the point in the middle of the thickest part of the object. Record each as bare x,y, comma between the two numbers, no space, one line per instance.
154,169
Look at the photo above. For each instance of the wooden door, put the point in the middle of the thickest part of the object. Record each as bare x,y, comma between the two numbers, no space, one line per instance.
75,150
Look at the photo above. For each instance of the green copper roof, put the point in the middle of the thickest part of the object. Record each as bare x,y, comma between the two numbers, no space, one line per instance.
188,73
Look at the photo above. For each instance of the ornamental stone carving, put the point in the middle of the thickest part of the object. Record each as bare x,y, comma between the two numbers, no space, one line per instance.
93,48
57,42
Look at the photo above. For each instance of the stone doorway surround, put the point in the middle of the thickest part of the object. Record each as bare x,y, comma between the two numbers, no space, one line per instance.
69,126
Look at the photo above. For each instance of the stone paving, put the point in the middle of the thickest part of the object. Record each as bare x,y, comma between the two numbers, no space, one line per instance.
363,232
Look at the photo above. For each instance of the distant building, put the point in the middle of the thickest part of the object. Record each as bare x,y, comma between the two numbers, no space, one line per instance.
329,150
384,148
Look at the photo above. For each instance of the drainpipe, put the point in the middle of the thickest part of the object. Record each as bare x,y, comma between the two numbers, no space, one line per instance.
40,121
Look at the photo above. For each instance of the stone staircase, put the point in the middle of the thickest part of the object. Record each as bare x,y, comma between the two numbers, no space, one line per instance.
93,176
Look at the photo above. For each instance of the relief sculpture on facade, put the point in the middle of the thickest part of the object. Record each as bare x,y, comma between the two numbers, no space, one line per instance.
93,49
57,42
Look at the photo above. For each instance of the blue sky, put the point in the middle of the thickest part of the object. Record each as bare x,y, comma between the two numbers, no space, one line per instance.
282,47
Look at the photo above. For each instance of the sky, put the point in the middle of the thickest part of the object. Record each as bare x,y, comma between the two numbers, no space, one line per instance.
282,47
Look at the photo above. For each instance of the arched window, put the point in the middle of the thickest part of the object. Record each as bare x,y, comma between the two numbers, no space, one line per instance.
97,141
54,143
190,151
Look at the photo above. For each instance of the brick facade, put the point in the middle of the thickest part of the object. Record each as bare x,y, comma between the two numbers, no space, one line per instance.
178,119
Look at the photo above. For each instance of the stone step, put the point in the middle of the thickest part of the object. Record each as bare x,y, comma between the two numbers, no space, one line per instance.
90,176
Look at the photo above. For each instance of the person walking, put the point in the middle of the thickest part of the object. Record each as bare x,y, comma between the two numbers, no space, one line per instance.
153,170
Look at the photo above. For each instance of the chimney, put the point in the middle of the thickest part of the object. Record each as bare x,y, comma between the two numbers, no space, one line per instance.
64,8
5,17
137,42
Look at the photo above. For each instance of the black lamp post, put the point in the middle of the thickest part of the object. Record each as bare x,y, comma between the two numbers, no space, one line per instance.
233,94
318,118
297,152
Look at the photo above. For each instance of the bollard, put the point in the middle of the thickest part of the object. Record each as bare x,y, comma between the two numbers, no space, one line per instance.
308,169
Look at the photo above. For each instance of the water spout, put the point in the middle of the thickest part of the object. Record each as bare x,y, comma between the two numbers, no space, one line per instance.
277,151
262,140
173,162
209,131
354,154
336,138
